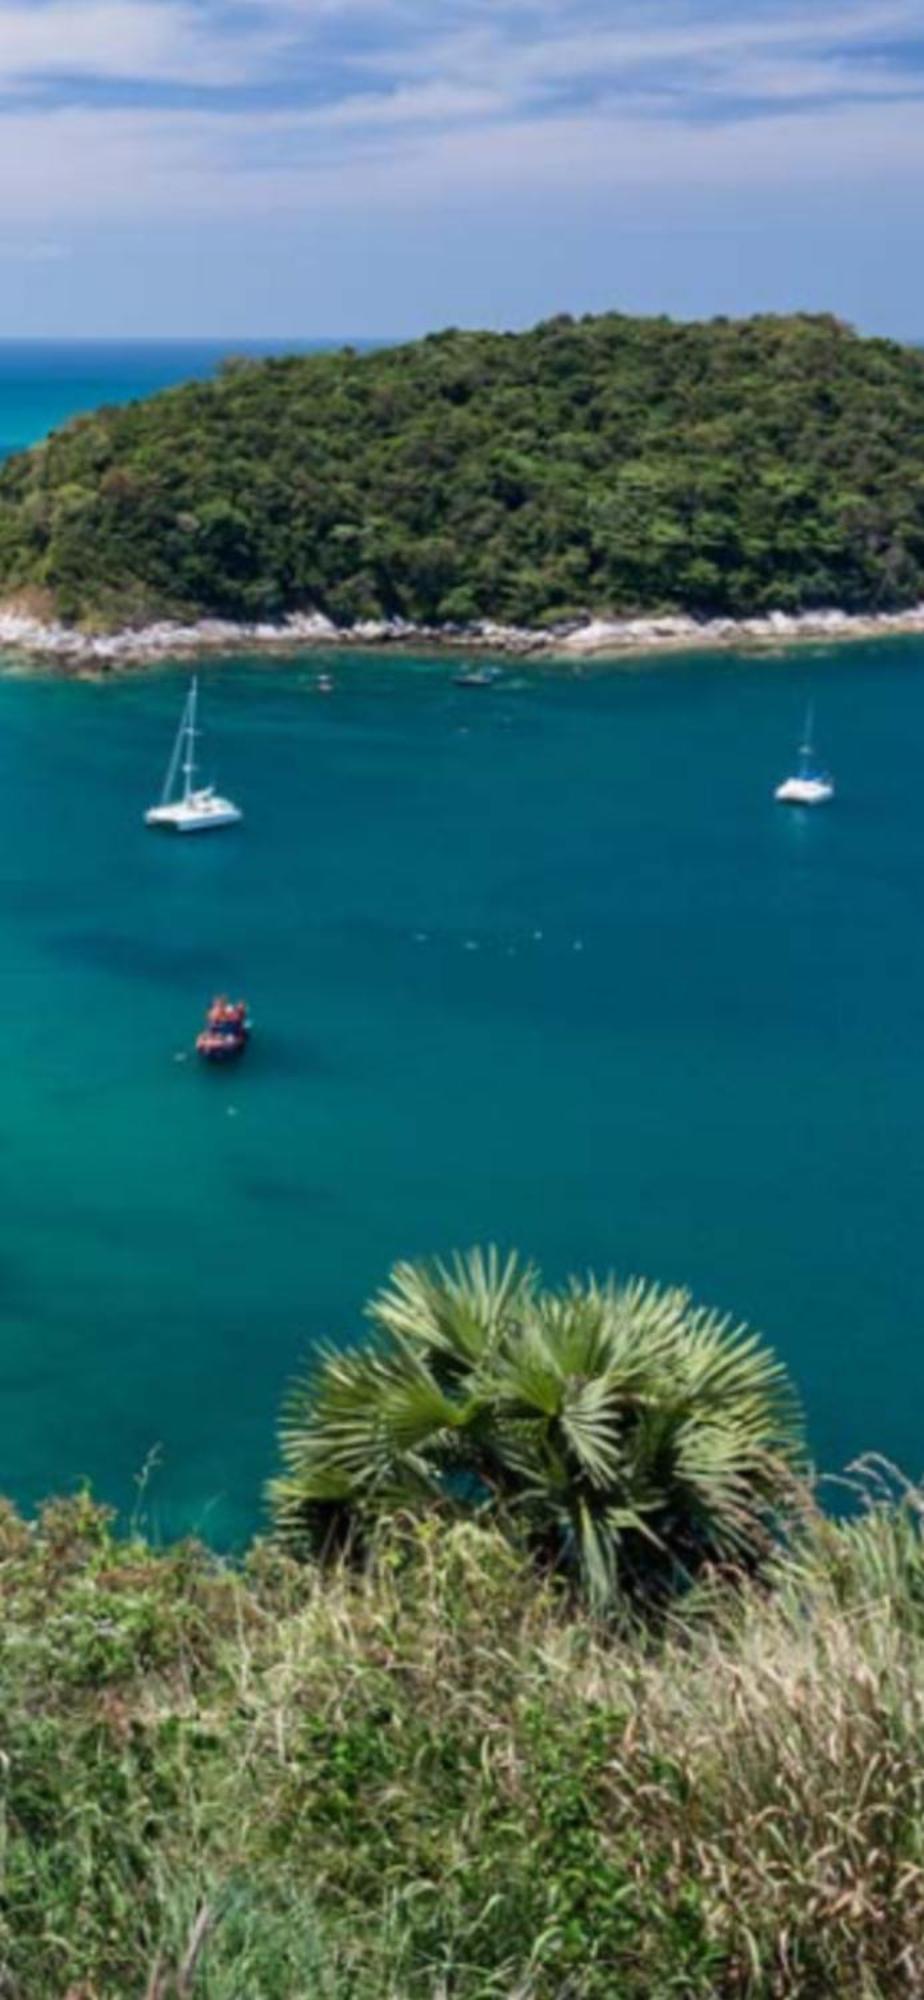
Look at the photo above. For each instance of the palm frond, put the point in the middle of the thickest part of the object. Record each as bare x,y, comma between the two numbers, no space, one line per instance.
593,1428
454,1313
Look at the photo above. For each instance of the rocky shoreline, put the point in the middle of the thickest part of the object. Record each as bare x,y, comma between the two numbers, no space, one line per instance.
29,638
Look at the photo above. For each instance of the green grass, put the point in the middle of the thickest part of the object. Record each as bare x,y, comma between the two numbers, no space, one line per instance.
435,1778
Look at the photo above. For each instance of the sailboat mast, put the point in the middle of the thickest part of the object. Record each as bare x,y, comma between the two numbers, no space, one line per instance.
806,748
189,761
175,756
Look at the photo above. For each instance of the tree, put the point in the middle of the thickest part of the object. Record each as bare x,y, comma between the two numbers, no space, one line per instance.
630,1437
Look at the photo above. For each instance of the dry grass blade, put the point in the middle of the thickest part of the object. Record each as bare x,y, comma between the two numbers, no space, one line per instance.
199,1935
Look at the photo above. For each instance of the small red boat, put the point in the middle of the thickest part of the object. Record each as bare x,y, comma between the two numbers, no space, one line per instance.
226,1032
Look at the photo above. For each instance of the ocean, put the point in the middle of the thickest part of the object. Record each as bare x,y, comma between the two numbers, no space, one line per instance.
542,965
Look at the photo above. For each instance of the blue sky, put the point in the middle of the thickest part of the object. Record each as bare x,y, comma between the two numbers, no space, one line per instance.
377,167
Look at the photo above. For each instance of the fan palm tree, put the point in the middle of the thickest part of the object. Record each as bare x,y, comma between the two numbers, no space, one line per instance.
632,1437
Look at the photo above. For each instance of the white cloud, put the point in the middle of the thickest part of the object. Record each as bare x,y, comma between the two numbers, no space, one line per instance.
75,166
510,96
790,79
148,41
608,46
438,103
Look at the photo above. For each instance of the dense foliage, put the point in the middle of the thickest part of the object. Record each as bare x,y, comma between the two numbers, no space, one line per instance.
436,1781
610,464
630,1439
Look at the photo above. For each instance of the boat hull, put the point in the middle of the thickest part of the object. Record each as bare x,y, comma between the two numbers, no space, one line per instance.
221,1048
804,792
194,818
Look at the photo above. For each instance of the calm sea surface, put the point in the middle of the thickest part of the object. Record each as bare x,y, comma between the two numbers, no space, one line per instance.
543,965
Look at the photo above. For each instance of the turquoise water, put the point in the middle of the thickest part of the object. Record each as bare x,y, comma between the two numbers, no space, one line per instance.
543,965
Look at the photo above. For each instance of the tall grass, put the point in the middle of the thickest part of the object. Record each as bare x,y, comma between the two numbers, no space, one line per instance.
435,1779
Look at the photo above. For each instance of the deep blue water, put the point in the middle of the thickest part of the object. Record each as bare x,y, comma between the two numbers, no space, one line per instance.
543,965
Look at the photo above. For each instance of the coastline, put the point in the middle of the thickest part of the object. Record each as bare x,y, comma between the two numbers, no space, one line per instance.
26,637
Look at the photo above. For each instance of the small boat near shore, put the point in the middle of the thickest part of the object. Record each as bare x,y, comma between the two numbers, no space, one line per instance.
808,786
198,809
478,677
226,1032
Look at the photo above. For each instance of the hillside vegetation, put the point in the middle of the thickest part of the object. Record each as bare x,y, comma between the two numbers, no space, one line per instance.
452,1754
606,465
436,1779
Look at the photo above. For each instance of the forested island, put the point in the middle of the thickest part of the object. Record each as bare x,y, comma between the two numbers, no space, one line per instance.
604,467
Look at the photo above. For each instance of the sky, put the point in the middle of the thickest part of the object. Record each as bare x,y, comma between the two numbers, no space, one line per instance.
375,168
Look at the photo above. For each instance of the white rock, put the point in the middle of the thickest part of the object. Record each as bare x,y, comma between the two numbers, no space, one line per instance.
21,633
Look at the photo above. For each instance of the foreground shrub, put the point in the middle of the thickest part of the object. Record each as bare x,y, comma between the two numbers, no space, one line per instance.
630,1437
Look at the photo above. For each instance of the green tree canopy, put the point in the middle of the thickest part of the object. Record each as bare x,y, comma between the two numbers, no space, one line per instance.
608,465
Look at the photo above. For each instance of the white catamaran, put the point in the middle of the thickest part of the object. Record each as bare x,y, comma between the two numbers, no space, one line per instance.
808,786
198,808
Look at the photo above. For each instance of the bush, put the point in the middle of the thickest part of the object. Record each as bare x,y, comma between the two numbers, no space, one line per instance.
629,1438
